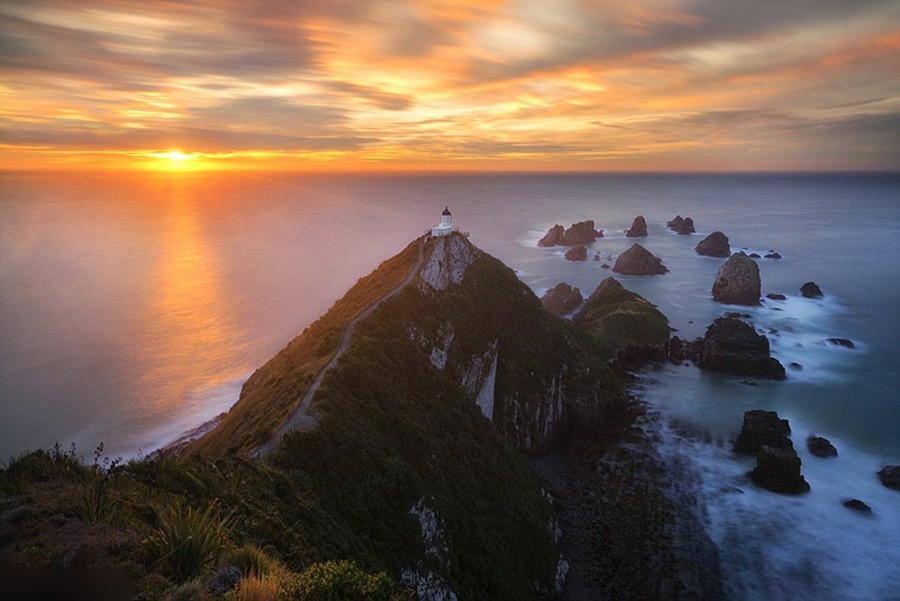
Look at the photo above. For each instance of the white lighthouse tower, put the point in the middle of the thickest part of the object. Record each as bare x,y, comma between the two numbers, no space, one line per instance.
446,225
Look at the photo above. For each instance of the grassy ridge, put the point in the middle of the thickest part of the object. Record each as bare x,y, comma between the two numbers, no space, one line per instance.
619,316
269,395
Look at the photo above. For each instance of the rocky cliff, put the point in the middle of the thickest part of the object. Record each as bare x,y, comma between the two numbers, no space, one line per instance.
418,424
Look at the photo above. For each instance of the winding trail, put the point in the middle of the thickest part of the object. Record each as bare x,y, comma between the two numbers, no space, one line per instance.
301,418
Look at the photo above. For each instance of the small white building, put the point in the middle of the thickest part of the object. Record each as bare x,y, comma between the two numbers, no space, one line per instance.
446,226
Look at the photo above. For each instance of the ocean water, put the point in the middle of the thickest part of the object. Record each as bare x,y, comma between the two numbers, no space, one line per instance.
133,306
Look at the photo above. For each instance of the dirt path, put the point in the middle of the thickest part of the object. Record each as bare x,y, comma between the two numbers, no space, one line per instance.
301,418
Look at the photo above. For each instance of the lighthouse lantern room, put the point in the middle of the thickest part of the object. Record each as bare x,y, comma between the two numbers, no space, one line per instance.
446,225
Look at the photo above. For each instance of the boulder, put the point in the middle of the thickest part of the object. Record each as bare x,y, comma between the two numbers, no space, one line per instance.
841,342
737,281
890,476
686,226
763,428
857,505
562,299
772,255
553,236
776,296
733,347
637,260
638,228
778,470
577,253
811,290
820,447
714,245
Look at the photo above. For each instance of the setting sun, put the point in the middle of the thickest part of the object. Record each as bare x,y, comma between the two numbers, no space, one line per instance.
178,156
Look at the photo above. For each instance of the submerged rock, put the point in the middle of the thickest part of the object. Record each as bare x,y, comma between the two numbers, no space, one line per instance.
638,228
841,342
811,290
772,255
890,476
778,470
776,296
737,281
763,428
857,505
637,260
732,346
714,245
562,299
576,253
820,447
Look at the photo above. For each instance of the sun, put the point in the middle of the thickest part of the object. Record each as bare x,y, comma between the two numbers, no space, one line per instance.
175,159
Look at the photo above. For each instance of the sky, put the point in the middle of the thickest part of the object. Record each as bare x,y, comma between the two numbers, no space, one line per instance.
614,85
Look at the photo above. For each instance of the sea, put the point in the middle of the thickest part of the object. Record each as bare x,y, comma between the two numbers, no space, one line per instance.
134,305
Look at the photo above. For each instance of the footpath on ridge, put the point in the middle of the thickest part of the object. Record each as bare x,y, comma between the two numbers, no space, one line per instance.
301,418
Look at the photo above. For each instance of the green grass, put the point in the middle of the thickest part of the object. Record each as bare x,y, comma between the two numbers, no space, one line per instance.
622,317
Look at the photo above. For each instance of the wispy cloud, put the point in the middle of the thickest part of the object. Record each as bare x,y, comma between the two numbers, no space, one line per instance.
656,84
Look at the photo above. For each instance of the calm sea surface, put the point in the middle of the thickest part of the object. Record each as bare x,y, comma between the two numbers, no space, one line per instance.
132,307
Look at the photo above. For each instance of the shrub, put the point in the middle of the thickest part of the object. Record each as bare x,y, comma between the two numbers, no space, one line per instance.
188,540
340,581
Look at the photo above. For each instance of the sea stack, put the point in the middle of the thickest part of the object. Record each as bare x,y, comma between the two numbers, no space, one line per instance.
637,260
714,245
737,282
638,228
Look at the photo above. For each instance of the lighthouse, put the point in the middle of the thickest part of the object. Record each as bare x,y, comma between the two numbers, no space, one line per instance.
446,225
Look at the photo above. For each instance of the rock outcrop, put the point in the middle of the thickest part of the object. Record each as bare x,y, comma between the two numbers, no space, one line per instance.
685,227
638,228
674,222
811,290
738,281
562,299
622,316
762,428
714,245
890,476
637,260
577,253
553,237
820,447
733,347
778,470
582,232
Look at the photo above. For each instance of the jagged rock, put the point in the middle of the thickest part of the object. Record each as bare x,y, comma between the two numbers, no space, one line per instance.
686,226
778,470
675,222
763,428
576,253
732,346
776,296
582,232
890,476
841,342
637,260
553,236
772,255
562,299
811,290
737,282
820,447
714,245
857,505
638,228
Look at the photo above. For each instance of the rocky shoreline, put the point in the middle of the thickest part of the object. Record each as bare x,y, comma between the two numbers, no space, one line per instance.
631,523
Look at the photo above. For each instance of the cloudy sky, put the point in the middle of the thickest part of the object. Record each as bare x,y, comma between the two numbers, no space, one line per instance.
466,84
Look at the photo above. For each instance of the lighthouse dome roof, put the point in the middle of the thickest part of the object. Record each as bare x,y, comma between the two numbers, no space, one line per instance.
446,211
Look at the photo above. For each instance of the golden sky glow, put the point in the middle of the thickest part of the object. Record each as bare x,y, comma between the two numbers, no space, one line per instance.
468,84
